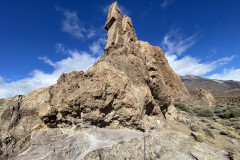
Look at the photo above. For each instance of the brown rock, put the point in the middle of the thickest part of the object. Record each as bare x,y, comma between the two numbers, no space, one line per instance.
206,97
132,80
120,29
18,115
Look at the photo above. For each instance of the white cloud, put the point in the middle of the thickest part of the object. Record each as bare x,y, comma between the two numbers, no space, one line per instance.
91,34
96,46
192,66
71,24
174,45
37,79
227,74
165,3
47,61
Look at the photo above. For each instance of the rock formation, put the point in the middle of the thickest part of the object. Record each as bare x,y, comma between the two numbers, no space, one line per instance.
131,86
202,98
18,118
206,98
132,79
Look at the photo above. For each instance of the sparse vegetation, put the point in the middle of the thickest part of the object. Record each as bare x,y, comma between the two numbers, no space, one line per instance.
221,111
212,121
204,111
209,132
183,107
230,134
195,127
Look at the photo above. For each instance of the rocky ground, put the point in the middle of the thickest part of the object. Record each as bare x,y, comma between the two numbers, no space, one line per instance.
217,126
117,144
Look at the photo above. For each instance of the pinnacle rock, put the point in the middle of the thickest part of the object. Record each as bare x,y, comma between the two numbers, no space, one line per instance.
120,29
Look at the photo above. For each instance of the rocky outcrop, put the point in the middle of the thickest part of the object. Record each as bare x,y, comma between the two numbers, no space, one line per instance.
202,98
206,97
131,86
19,116
120,29
130,81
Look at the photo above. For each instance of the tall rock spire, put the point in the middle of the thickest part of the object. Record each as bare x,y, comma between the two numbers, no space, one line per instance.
120,29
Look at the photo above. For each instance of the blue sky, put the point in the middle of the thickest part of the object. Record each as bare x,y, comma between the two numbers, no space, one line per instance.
39,40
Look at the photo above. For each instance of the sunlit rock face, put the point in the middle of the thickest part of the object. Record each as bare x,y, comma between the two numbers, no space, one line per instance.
132,80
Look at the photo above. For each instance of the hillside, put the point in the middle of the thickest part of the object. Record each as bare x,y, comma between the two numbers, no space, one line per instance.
219,88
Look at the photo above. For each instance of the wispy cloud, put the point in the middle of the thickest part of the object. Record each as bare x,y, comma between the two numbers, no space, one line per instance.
227,74
96,47
123,9
48,61
165,3
60,48
91,33
214,50
38,79
73,26
174,45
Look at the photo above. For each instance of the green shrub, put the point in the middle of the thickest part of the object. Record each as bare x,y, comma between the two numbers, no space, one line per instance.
227,114
236,112
232,112
204,112
219,109
183,107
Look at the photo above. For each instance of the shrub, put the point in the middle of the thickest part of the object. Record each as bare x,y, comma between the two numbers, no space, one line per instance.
183,107
236,112
204,112
209,132
216,126
230,134
227,114
232,112
195,127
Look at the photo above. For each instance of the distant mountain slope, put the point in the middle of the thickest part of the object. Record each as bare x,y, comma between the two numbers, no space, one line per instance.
217,87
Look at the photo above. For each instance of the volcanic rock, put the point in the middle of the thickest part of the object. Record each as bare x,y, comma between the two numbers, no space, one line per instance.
19,115
206,97
130,81
202,98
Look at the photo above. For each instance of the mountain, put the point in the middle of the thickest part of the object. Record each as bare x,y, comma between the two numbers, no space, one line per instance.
120,108
218,88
